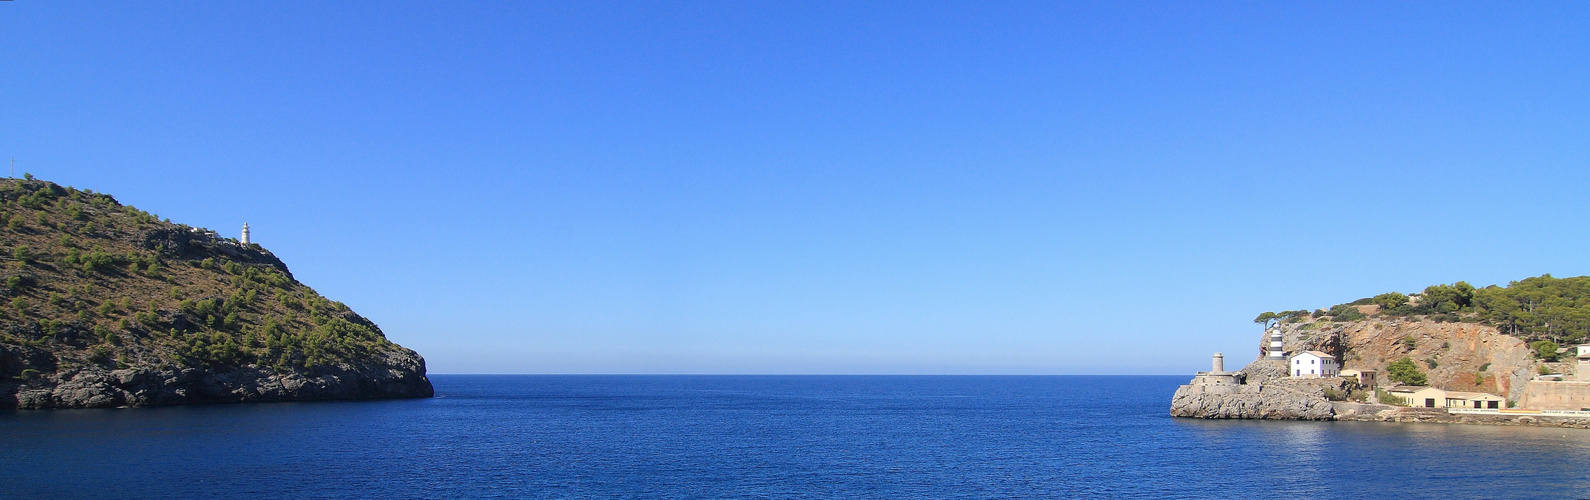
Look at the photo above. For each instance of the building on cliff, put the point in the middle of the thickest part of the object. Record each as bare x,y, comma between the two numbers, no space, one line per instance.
1217,380
1313,364
1277,352
1365,378
1581,370
1559,392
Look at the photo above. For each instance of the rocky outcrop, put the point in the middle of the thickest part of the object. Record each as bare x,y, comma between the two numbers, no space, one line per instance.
396,373
1278,399
182,242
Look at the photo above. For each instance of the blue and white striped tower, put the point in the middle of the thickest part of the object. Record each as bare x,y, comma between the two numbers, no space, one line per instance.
1275,346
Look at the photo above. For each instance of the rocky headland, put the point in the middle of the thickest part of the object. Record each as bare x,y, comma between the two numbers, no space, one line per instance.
1454,356
104,305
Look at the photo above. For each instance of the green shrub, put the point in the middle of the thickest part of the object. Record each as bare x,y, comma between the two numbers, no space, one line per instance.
1345,312
99,354
1403,370
1389,398
1545,349
1430,362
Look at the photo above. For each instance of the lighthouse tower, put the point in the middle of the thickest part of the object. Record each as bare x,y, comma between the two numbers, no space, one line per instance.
244,239
1275,345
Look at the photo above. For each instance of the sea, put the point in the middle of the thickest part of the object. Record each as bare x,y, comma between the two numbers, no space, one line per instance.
534,436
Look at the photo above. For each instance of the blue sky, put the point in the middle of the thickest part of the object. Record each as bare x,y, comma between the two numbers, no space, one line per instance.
764,187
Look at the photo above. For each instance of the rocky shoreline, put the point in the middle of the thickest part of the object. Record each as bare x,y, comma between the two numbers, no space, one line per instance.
1359,412
1280,400
1266,393
397,373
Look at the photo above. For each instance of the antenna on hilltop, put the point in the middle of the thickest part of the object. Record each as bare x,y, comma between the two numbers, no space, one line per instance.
13,167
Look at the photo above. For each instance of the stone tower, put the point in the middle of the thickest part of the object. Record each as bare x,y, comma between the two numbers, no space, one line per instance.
244,239
1276,353
1220,363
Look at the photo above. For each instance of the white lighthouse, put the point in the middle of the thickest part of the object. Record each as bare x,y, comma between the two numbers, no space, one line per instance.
244,239
1276,352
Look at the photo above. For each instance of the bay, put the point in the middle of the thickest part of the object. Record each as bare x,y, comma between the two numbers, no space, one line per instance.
538,436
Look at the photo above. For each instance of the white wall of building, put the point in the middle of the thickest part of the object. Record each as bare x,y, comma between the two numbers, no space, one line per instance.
1312,364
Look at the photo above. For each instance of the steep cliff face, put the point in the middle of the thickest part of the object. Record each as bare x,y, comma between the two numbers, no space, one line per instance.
1466,356
102,304
398,373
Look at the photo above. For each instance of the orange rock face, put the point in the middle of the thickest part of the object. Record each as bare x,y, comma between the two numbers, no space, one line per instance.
1465,356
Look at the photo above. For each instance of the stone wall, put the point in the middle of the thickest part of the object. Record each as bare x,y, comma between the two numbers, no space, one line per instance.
1539,395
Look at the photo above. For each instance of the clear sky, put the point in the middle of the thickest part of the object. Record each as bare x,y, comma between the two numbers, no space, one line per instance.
848,187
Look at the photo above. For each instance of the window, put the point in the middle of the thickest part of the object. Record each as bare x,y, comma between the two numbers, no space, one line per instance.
1429,402
1493,404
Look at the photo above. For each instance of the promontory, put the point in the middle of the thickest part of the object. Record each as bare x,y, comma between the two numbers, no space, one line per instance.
1509,355
105,305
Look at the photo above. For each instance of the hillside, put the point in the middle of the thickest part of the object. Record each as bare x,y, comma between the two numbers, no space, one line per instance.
1452,356
1457,337
106,305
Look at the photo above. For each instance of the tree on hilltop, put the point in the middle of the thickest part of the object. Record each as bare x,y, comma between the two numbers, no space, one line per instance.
1266,318
1390,300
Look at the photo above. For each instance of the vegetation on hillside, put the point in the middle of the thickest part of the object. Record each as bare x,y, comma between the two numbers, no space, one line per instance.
92,281
1542,309
1405,371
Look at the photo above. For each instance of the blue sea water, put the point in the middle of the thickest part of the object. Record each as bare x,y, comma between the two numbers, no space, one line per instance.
768,437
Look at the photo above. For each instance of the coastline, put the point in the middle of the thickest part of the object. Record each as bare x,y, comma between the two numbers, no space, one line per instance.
1362,412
